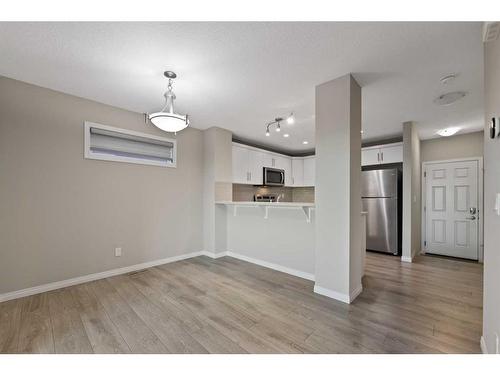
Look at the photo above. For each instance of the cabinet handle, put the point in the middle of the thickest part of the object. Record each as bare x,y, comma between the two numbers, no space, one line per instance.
378,156
382,155
249,176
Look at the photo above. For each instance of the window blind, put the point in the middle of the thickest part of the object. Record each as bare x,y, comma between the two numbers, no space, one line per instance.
110,142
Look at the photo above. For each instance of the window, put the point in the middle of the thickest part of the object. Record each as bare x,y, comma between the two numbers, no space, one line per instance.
108,143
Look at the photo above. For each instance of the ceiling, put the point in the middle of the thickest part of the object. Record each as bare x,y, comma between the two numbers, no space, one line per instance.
239,76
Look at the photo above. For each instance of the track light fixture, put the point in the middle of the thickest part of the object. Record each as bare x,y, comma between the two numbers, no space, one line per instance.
277,121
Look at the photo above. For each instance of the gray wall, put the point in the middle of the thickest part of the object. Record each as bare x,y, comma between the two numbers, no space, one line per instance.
61,215
491,308
455,147
412,193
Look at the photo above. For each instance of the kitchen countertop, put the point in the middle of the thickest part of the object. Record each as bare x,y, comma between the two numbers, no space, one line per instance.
271,204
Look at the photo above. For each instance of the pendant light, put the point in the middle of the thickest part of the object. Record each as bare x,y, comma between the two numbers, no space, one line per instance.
167,120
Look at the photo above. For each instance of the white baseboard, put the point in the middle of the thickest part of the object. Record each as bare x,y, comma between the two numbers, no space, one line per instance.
484,348
356,292
406,259
136,267
273,266
332,294
214,255
94,276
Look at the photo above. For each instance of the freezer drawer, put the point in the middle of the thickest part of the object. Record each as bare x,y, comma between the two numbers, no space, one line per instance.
381,224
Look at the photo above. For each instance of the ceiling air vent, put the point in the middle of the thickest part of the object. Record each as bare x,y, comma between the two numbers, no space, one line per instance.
490,31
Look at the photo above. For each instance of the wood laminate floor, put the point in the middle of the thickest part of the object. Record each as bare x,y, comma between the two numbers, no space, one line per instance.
226,305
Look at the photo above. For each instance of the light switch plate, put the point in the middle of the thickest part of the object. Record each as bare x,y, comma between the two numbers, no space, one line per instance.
118,252
497,204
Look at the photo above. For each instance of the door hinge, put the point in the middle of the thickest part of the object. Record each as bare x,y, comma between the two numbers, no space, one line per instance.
425,243
425,174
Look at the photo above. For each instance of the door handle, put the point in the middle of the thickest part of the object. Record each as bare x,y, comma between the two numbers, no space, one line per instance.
471,217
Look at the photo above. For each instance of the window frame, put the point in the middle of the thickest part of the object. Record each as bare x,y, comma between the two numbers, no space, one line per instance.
89,154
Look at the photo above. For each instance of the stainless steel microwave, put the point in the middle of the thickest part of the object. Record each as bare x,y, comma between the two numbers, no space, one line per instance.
274,177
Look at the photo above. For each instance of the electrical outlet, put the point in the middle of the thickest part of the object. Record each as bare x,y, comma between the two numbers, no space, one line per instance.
118,252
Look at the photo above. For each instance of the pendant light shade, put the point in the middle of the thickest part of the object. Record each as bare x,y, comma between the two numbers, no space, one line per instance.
167,120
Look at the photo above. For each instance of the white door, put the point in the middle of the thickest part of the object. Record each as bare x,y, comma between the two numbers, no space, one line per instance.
451,209
240,165
370,156
391,154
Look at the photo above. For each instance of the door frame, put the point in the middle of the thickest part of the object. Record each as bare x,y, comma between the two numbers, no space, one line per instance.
480,178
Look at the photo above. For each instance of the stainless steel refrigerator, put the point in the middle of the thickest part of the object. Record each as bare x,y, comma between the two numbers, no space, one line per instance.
380,192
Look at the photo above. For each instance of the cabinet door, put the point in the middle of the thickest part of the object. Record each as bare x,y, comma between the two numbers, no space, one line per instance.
257,161
391,154
285,163
297,172
240,165
309,171
370,156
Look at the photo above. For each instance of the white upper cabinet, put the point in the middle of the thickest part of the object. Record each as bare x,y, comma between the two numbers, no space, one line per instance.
257,161
309,171
385,154
285,163
391,154
248,164
370,156
297,172
240,165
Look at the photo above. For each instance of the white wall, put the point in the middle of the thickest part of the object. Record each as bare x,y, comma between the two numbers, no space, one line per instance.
284,239
61,215
337,188
411,192
454,147
491,308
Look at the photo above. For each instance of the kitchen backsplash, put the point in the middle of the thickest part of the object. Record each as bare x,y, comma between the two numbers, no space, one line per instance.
245,193
303,194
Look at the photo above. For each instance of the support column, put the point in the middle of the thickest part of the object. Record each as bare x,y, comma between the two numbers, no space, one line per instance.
412,187
217,186
338,193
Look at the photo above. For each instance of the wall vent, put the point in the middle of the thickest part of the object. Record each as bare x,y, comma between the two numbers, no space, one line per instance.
490,31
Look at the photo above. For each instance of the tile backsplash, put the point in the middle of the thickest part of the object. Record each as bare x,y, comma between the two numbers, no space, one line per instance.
245,193
303,194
